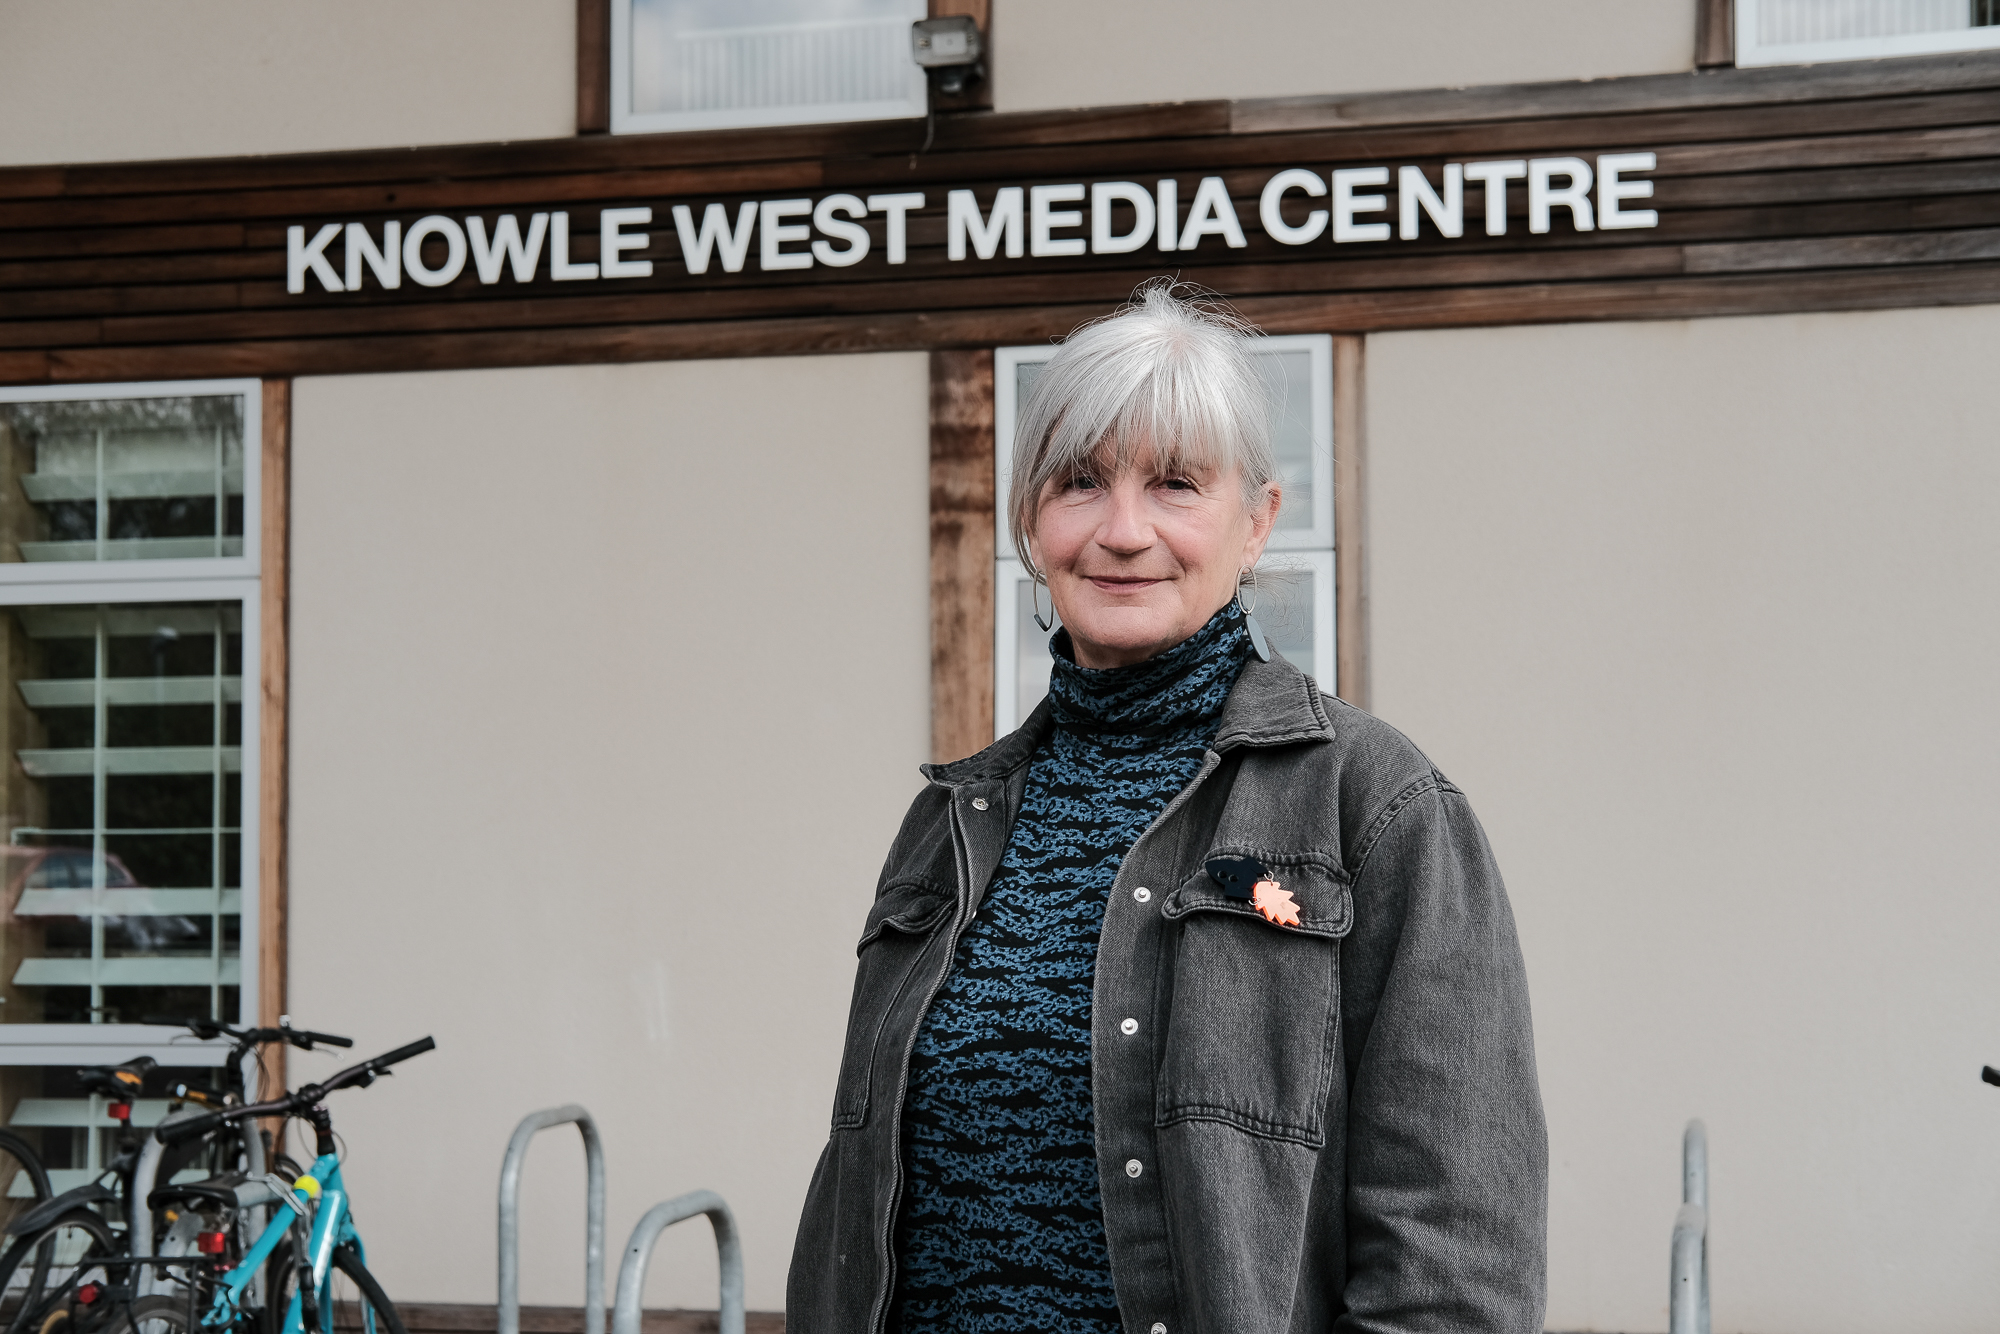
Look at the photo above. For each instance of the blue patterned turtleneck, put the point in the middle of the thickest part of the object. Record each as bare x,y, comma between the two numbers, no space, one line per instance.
1002,1227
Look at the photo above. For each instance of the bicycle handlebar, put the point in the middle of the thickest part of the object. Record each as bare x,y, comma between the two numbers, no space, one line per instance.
1989,1074
303,1038
177,1132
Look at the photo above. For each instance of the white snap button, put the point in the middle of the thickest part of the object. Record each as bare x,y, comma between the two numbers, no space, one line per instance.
1133,1167
1143,894
979,803
1159,1328
1128,1027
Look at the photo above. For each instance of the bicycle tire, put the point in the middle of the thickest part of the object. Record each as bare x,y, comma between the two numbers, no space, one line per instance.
387,1320
152,1315
38,1177
41,1247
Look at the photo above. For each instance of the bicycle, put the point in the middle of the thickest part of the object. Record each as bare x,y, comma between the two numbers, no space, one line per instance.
316,1220
70,1238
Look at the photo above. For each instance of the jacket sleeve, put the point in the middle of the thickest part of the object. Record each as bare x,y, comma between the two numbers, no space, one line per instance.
1447,1151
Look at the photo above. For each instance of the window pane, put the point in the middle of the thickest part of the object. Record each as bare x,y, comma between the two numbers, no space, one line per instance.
123,856
752,55
72,1130
1785,22
1283,603
122,479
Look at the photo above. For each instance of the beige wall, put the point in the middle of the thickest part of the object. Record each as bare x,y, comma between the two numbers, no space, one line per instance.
1702,617
1057,53
111,80
608,691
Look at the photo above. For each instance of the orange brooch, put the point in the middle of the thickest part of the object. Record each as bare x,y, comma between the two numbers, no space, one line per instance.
1275,902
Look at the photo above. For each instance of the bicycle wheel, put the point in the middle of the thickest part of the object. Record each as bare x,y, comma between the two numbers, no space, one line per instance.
359,1304
24,1182
37,1271
151,1315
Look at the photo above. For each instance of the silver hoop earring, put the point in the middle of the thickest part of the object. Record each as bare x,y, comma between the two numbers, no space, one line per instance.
1035,597
1258,643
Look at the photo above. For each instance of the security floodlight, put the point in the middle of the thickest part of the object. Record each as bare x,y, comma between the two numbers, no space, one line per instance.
949,50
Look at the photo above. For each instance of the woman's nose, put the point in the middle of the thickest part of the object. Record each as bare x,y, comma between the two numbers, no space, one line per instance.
1127,527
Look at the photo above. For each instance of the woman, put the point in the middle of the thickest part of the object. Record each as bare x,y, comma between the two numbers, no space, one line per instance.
1194,1006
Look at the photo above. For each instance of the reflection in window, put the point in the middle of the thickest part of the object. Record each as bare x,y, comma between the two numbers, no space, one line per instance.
122,479
712,63
1781,31
123,859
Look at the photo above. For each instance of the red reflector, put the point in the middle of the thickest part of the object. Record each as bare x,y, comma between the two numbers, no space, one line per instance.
88,1293
209,1243
120,1111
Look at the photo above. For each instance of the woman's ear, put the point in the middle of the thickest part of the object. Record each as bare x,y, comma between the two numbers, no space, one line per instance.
1263,521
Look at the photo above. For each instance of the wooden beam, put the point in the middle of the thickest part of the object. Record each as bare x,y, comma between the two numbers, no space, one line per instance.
962,539
1349,570
1715,34
274,671
593,66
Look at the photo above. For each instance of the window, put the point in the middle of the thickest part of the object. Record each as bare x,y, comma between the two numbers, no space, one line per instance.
1295,589
128,612
1781,32
714,64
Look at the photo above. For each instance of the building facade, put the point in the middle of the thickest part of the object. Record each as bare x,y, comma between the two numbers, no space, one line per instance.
502,500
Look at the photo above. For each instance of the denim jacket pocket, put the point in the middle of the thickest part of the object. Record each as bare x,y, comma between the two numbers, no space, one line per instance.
1251,1027
899,926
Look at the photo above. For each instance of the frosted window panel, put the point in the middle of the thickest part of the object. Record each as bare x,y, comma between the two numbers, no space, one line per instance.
1789,22
121,800
1288,382
690,56
122,479
1283,603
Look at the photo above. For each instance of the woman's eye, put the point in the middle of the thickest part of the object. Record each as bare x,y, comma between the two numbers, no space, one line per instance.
1177,484
1080,484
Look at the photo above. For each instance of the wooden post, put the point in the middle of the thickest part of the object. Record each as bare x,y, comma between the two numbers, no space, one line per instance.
273,672
1714,34
979,97
1349,575
962,539
593,66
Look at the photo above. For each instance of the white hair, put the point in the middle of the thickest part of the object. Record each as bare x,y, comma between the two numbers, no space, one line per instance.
1168,370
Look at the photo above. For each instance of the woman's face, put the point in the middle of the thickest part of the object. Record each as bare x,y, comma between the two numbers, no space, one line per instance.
1139,561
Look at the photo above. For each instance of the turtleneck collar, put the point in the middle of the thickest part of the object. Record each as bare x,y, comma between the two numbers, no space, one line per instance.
1184,687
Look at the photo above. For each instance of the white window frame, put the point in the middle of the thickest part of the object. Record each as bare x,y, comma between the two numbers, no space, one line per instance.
1750,53
624,120
217,579
1311,548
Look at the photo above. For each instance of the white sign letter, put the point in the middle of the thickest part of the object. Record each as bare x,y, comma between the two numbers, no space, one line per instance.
299,257
1211,214
1346,204
1414,188
715,234
454,251
1270,208
1042,219
1494,176
560,267
772,232
825,217
1104,241
612,242
1575,196
897,208
387,262
507,245
1612,192
962,210
1169,210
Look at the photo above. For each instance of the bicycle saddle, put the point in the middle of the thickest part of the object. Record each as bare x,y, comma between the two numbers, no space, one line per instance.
120,1083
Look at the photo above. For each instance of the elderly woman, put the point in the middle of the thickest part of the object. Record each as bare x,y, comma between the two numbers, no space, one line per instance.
1195,1004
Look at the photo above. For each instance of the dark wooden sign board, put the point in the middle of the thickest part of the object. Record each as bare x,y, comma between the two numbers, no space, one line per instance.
1872,184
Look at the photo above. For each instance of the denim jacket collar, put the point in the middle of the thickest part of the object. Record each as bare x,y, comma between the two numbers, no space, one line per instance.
1272,704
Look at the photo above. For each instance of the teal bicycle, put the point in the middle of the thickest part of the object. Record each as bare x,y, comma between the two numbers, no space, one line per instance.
320,1284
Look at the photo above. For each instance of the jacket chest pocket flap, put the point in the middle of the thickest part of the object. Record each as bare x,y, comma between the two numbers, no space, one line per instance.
1253,1022
899,926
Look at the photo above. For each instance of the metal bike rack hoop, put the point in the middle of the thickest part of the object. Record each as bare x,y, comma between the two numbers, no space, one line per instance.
1687,1292
510,1217
639,1251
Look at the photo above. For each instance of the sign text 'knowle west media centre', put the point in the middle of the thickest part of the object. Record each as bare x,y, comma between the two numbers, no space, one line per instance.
1297,207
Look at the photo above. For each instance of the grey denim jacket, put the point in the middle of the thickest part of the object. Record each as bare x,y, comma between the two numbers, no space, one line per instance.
1330,1126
